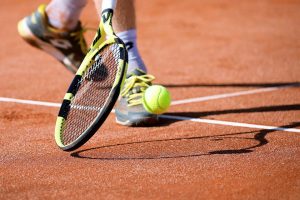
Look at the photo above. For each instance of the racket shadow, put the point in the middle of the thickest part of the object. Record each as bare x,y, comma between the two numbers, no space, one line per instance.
184,147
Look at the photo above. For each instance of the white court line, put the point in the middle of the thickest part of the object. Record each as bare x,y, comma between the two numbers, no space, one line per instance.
208,121
178,102
226,123
31,102
234,94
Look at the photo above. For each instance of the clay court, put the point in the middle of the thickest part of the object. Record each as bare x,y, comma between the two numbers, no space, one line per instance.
232,132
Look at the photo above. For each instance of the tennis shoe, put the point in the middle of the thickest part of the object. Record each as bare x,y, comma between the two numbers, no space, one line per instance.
129,109
68,47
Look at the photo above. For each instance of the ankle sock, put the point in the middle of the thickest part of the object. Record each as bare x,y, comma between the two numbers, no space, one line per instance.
129,37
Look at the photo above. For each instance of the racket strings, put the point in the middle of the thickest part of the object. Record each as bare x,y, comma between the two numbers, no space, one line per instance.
93,92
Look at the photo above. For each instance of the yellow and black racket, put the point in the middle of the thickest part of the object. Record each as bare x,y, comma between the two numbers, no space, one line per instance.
95,88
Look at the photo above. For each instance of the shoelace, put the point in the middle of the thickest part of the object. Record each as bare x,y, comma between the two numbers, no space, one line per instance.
135,87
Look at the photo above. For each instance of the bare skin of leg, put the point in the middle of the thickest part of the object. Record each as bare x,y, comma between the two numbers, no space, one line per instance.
124,15
64,15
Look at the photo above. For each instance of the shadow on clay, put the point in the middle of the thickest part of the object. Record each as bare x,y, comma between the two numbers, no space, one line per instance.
185,147
275,108
242,85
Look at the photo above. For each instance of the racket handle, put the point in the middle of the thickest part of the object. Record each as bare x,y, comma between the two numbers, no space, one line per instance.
109,4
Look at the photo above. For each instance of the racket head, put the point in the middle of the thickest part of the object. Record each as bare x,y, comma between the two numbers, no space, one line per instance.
94,89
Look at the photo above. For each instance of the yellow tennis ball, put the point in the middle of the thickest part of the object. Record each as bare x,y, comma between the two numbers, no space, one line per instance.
156,99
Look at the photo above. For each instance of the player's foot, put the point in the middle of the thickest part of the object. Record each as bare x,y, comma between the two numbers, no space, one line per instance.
67,47
129,109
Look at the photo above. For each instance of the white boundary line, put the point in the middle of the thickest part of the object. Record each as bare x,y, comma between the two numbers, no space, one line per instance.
233,94
178,102
226,123
207,98
31,102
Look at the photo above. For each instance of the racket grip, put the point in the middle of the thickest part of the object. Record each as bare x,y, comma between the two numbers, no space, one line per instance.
109,4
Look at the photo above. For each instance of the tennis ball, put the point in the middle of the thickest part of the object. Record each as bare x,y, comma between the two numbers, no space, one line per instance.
156,99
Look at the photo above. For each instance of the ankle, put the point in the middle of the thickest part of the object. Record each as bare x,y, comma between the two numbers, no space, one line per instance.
129,37
64,15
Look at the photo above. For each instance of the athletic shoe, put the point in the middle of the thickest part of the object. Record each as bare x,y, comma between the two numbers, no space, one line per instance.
67,47
129,109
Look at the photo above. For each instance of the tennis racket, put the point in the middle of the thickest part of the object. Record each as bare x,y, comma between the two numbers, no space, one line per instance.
95,88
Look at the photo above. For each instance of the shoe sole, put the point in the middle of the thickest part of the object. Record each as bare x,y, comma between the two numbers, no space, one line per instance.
29,37
146,121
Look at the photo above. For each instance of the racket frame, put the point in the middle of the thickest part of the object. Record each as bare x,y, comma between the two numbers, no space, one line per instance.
105,36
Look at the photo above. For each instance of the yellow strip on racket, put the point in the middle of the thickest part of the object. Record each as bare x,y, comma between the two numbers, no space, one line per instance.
95,87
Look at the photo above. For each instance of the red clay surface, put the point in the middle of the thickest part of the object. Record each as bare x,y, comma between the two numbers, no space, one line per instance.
196,48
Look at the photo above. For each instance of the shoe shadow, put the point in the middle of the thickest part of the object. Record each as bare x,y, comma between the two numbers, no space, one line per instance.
276,108
241,85
184,147
166,122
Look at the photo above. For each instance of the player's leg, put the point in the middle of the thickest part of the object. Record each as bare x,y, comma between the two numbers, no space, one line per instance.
56,29
64,14
125,26
129,108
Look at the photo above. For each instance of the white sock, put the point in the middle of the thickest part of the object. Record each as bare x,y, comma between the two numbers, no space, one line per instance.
64,14
134,58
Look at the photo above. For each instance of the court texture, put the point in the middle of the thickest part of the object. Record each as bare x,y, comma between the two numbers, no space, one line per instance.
232,131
